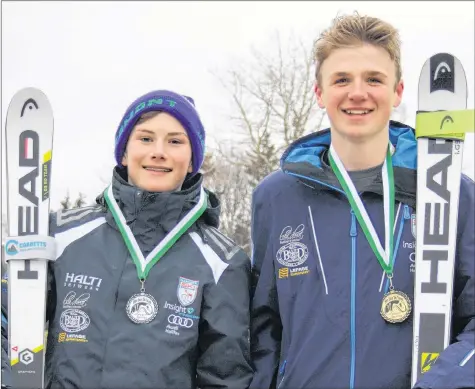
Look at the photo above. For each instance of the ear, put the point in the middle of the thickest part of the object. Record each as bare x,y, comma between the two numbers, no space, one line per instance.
319,94
190,168
398,93
124,159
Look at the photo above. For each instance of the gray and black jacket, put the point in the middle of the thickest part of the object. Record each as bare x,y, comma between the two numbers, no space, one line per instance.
91,341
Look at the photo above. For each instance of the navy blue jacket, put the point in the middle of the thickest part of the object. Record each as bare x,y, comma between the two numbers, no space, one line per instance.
318,287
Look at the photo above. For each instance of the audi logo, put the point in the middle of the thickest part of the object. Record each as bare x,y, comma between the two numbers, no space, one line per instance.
180,321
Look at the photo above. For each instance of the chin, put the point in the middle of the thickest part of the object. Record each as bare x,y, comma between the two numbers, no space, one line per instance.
159,187
358,132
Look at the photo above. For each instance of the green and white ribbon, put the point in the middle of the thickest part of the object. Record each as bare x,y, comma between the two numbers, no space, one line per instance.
384,256
142,264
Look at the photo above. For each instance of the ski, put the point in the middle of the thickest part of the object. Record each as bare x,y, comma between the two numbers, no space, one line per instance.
29,141
441,122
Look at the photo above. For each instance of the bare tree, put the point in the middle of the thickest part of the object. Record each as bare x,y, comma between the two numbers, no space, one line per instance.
231,184
274,104
274,101
77,203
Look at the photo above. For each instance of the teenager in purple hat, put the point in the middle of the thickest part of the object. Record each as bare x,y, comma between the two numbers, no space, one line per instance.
146,292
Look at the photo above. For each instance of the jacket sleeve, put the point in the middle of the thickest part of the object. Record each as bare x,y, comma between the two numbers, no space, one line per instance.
266,326
224,360
455,367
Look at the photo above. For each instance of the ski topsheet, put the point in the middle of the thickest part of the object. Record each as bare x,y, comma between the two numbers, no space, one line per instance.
29,138
442,88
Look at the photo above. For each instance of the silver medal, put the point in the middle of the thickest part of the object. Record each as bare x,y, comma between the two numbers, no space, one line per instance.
141,308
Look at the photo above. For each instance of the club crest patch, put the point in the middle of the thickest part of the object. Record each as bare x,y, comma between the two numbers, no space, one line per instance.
187,291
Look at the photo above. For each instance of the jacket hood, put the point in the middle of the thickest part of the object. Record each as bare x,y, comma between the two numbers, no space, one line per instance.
303,159
309,149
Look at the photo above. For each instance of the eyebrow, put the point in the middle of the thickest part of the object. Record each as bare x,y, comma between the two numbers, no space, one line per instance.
370,73
177,133
168,134
376,73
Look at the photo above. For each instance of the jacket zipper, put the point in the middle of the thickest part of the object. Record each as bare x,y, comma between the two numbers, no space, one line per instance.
282,373
353,235
467,358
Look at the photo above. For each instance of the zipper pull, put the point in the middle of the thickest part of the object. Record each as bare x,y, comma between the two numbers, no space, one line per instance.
353,230
407,215
282,368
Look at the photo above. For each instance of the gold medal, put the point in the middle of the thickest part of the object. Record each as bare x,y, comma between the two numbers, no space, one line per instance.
396,306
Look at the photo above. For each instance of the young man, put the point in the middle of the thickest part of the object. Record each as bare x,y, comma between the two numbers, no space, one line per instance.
146,292
318,317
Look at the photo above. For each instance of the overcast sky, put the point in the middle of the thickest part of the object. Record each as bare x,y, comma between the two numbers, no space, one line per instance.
92,59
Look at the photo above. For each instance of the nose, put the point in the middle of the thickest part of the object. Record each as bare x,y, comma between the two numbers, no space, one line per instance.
358,91
158,150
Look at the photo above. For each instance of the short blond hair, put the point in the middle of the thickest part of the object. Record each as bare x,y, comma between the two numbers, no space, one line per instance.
354,30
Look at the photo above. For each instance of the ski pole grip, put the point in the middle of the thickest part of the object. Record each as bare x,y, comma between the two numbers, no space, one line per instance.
30,247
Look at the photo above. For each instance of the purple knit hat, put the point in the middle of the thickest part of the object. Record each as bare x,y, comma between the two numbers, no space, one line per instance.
179,106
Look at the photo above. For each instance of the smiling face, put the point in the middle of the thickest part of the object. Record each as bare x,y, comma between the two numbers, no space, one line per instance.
158,154
358,88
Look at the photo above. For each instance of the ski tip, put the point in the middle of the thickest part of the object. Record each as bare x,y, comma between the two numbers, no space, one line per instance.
442,83
27,100
29,91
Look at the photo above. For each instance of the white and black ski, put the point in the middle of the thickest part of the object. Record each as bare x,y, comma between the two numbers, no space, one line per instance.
441,115
29,141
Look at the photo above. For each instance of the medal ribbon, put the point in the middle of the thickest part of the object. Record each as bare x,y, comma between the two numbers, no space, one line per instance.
142,264
384,256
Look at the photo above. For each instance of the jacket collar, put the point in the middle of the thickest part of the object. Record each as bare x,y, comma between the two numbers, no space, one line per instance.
158,210
303,159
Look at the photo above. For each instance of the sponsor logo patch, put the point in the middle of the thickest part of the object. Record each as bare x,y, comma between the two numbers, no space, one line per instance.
63,337
74,320
180,321
73,301
181,311
293,253
82,281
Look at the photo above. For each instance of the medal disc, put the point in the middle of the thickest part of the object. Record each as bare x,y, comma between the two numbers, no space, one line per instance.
141,308
396,307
